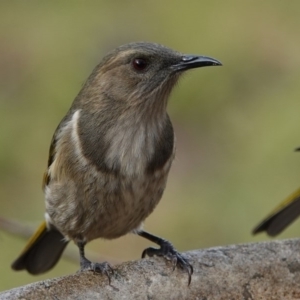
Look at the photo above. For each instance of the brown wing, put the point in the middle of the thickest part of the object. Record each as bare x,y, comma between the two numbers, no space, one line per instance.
52,150
46,177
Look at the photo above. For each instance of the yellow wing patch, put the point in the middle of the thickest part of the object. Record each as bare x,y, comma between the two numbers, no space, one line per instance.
42,228
286,202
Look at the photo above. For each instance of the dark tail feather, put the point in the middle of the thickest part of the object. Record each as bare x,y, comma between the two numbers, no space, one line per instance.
42,251
279,220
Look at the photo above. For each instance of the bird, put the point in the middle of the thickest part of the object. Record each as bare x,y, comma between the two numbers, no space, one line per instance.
282,216
110,157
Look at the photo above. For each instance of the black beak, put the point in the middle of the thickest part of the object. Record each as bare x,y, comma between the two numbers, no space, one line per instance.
192,61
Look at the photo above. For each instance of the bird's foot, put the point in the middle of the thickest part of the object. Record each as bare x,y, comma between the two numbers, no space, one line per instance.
170,253
102,268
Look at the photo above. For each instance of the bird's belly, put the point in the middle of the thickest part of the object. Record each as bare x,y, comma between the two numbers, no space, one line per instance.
102,208
125,211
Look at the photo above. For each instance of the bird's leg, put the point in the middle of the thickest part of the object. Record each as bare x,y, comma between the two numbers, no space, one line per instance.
86,265
168,251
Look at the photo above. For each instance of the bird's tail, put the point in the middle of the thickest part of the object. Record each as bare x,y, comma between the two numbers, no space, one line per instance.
42,251
282,216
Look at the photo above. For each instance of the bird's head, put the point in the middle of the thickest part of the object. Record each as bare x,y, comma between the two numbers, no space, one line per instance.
137,73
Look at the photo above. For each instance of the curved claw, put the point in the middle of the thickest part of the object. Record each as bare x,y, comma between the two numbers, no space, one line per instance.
103,268
174,261
150,252
190,273
169,252
144,253
184,265
108,276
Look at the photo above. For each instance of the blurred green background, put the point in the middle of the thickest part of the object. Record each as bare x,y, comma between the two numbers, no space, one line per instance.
236,125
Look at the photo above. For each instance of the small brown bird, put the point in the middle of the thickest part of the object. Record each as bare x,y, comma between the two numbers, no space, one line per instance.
110,157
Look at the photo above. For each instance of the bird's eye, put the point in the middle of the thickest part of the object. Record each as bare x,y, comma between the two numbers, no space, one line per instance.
140,64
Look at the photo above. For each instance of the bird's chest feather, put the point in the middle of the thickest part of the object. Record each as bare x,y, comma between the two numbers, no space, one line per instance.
128,145
110,192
